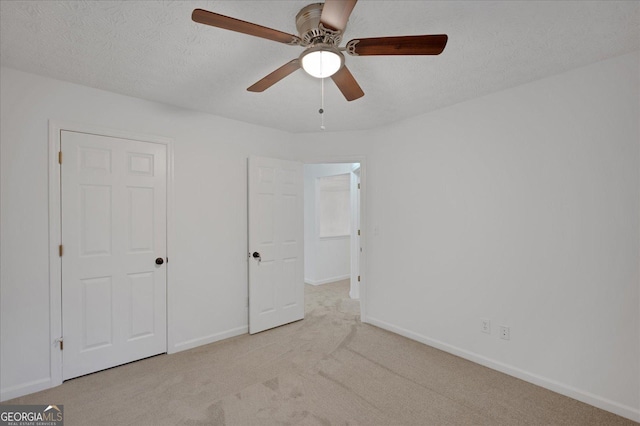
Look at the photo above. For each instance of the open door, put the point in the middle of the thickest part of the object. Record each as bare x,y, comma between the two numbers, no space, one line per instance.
276,247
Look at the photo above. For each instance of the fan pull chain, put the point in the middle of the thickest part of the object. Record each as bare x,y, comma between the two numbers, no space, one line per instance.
321,110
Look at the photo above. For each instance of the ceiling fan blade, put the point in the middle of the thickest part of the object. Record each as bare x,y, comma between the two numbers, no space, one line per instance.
347,84
275,76
216,20
335,13
403,45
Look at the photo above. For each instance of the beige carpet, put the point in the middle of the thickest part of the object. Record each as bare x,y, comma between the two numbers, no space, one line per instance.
328,369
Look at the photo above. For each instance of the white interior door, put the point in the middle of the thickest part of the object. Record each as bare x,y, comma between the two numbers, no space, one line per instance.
276,261
114,234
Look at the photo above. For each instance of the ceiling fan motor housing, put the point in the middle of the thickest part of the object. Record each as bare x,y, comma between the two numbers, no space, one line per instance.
311,31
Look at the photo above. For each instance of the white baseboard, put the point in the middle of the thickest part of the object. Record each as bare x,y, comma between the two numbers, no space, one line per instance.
561,388
327,280
42,384
193,343
25,389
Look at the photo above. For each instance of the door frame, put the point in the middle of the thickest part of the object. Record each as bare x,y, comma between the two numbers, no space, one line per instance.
55,229
362,213
356,245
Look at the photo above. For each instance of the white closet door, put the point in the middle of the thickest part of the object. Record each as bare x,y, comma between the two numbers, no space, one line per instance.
114,236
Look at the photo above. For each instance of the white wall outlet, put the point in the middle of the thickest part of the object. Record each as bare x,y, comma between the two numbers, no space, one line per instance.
485,325
505,332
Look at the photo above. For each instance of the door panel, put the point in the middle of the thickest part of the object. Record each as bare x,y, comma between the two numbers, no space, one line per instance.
276,278
95,226
113,229
96,312
141,220
141,290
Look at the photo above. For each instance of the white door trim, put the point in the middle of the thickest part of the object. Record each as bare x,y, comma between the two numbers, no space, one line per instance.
354,290
55,234
363,217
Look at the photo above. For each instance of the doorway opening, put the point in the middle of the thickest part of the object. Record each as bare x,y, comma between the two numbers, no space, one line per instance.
332,226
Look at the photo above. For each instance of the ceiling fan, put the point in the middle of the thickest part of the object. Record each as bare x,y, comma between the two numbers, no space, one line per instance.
320,28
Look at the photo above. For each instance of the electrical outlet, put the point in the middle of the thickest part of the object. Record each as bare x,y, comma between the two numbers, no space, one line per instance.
485,325
505,332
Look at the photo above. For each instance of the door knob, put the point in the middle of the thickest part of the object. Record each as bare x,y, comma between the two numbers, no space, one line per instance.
256,255
159,261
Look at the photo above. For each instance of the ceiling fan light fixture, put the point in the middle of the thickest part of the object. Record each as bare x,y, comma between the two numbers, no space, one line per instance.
322,61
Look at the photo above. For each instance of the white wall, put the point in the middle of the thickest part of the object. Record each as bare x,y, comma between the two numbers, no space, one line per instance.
208,254
325,259
522,207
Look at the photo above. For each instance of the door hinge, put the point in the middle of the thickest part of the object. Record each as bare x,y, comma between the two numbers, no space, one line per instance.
358,278
61,342
60,250
358,186
60,157
358,232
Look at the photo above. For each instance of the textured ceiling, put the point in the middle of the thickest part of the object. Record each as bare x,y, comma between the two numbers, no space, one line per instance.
152,50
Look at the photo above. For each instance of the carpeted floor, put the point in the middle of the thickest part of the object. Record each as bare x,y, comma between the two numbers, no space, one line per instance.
329,369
